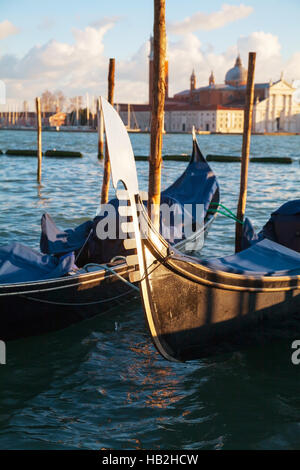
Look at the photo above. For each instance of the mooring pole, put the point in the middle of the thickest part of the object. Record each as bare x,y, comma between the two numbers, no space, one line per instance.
39,139
157,110
87,110
100,128
245,151
106,176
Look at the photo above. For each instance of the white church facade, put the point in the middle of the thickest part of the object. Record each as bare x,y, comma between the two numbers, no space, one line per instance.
278,112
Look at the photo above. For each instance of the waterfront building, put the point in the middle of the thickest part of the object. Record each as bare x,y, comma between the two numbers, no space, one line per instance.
220,107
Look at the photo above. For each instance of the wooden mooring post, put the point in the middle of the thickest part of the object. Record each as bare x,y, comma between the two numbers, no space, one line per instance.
157,110
100,130
245,151
106,175
39,139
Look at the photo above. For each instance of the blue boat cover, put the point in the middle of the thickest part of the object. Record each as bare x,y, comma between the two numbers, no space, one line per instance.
263,258
197,185
56,241
283,227
19,263
289,208
249,236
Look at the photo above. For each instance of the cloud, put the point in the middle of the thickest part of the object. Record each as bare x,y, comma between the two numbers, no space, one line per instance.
105,20
7,29
60,61
296,84
81,66
75,68
209,21
191,53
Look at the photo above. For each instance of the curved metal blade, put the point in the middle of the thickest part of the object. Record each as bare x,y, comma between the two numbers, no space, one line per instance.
119,148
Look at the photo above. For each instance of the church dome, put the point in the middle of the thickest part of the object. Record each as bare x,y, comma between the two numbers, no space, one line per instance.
237,76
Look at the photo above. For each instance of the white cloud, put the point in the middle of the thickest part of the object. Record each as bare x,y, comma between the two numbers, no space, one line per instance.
7,29
82,66
76,68
209,21
191,53
269,63
292,68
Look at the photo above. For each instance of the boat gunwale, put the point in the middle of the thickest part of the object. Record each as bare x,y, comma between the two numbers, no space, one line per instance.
168,261
92,277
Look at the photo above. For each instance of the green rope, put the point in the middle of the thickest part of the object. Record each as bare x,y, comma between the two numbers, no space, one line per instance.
228,212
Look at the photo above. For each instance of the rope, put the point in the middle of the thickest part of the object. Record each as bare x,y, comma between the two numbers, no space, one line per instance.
107,268
230,214
74,303
86,240
68,286
156,264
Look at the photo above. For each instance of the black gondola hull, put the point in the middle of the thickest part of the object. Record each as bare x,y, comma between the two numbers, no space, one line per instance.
36,308
194,312
204,320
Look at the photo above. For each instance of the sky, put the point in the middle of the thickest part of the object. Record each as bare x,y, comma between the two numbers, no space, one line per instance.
65,45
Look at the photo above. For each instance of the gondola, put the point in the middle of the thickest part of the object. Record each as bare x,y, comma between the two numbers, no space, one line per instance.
75,276
195,307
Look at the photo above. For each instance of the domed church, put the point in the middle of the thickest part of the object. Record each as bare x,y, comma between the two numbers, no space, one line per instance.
232,92
220,107
237,76
274,107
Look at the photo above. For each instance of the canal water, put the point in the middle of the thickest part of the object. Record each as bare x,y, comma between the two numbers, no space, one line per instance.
101,384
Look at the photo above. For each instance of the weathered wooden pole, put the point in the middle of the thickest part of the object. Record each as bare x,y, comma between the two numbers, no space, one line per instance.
106,175
245,151
87,110
77,111
100,129
39,139
128,116
157,105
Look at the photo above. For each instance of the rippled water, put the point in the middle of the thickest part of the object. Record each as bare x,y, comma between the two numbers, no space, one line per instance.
101,384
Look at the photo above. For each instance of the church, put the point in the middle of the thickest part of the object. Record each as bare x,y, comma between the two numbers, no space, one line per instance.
219,108
274,108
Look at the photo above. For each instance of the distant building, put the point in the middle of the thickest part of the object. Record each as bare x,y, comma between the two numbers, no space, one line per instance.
277,112
58,119
220,107
211,118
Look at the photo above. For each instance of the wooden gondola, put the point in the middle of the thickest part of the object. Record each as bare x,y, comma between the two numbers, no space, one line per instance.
39,306
195,307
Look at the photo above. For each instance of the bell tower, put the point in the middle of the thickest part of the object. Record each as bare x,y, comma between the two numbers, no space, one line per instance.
212,80
193,81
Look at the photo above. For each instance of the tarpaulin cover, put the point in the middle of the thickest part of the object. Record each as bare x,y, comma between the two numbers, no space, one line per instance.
20,263
56,241
84,239
283,227
197,185
263,258
249,236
